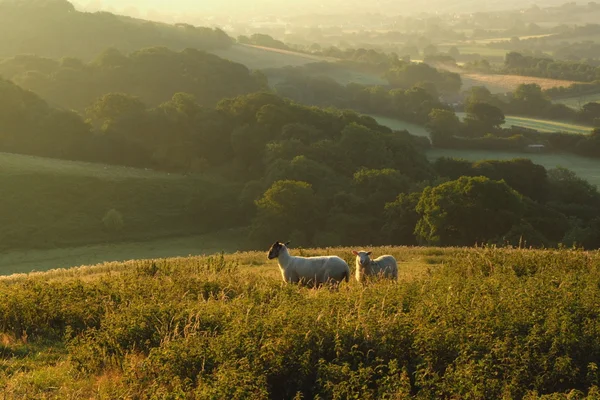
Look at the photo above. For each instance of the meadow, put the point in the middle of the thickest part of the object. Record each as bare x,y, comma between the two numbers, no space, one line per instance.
49,203
258,57
40,260
398,125
578,102
475,323
543,125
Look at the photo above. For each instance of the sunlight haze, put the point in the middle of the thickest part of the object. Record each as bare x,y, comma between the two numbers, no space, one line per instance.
188,10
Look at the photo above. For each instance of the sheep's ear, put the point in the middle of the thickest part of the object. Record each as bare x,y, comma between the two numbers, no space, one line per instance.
355,252
368,253
288,242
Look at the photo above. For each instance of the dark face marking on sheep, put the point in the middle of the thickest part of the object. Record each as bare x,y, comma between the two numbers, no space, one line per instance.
275,249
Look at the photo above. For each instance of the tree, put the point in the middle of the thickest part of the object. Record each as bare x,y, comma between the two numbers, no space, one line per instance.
482,118
401,219
566,187
113,107
430,50
466,211
453,52
530,99
590,112
379,186
287,207
443,125
521,174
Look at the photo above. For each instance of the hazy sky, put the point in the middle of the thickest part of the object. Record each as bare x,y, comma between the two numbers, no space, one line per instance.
182,10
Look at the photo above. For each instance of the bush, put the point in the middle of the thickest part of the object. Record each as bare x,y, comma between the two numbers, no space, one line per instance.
113,221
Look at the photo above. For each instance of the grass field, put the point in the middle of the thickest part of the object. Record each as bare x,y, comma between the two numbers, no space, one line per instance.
48,202
507,83
580,101
587,168
258,57
459,323
398,125
26,261
497,83
543,125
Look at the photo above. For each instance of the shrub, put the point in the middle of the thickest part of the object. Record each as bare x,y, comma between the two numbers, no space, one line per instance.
113,221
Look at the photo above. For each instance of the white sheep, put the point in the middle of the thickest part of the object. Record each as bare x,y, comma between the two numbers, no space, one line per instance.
311,271
384,266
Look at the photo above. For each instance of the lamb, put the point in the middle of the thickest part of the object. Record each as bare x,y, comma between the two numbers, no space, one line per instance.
384,266
310,271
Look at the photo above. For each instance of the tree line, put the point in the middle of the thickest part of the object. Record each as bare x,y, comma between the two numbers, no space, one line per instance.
516,63
153,74
317,176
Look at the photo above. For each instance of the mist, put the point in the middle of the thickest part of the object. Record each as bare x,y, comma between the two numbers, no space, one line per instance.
191,11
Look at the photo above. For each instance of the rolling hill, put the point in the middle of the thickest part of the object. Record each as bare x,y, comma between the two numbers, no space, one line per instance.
53,203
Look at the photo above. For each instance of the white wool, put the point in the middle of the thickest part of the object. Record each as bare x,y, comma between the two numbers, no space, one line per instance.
384,266
317,270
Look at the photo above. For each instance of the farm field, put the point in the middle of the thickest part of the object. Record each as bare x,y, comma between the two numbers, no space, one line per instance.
543,125
586,168
228,327
258,57
54,203
507,83
497,83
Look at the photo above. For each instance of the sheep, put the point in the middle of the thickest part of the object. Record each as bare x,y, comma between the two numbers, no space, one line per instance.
384,266
310,271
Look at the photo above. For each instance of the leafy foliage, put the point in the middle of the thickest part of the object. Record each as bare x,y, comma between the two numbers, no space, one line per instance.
153,74
467,211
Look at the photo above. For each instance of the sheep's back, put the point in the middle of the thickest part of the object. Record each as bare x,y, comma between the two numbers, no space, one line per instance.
333,266
386,264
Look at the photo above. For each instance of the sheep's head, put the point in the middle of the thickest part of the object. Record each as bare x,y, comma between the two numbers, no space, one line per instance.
362,257
275,249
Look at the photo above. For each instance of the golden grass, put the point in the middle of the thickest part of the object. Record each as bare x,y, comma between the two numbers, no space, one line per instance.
510,82
413,262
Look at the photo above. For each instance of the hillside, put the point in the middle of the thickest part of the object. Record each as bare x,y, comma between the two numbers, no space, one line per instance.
50,203
460,323
259,57
56,29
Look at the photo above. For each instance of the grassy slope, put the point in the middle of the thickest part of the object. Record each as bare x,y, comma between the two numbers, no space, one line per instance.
543,125
49,202
25,261
258,57
399,125
579,101
468,315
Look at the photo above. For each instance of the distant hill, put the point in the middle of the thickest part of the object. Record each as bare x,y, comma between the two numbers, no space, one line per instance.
54,28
